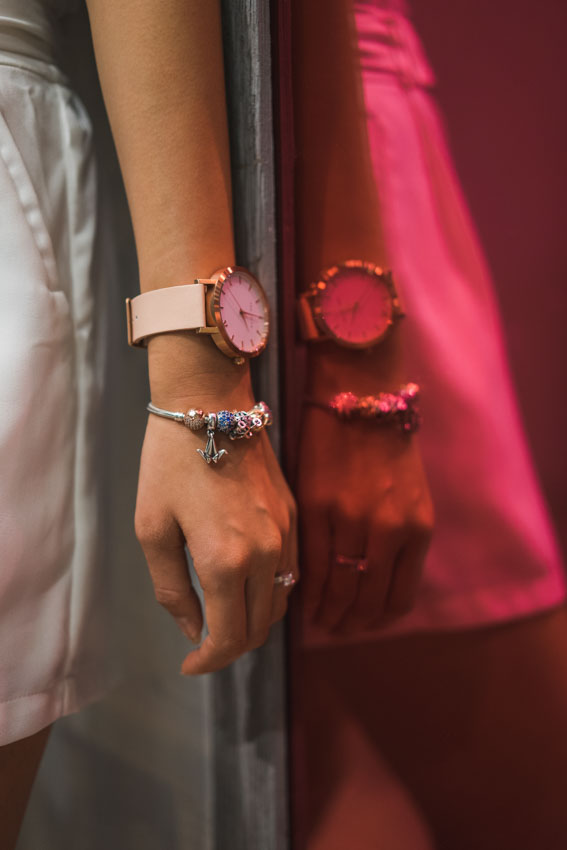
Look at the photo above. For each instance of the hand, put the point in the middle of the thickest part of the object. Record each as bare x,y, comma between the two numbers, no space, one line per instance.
238,520
362,493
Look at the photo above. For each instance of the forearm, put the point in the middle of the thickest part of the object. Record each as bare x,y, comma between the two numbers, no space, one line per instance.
161,71
336,200
337,204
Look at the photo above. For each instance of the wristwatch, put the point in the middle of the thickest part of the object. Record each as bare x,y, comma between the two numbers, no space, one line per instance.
231,306
354,303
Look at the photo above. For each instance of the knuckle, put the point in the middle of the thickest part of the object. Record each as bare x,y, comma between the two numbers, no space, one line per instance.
145,528
169,598
348,513
151,531
236,564
422,526
425,514
227,649
232,559
219,575
389,524
271,546
235,647
268,544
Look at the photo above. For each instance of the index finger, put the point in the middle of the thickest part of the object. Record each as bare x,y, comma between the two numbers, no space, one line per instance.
225,613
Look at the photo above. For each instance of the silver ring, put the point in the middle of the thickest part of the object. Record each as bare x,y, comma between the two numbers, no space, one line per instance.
287,579
357,565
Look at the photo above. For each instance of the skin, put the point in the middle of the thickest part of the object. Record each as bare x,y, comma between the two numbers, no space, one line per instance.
161,72
385,515
448,740
362,493
19,762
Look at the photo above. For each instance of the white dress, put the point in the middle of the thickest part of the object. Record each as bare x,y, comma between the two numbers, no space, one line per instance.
53,633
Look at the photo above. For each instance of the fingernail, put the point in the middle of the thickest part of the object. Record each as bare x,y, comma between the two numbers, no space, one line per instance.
188,629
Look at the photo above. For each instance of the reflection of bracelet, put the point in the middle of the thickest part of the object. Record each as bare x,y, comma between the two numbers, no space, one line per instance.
236,424
399,409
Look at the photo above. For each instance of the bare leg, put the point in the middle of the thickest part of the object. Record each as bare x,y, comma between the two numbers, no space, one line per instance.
343,793
473,723
19,762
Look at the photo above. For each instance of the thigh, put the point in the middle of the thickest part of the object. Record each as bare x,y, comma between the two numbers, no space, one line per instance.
19,762
475,725
344,795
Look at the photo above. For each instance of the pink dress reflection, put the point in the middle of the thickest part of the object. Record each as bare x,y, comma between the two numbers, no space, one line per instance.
494,556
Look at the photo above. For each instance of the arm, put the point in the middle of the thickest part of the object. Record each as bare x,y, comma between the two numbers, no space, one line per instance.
161,71
362,491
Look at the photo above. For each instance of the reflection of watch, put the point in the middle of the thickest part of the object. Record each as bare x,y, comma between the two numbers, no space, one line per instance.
355,304
231,306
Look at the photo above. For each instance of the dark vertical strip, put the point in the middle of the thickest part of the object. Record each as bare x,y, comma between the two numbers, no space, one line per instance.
248,699
292,356
285,157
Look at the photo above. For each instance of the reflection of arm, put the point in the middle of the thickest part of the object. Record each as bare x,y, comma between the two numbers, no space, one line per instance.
161,71
337,207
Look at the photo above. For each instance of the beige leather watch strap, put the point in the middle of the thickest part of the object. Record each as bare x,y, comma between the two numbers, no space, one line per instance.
173,308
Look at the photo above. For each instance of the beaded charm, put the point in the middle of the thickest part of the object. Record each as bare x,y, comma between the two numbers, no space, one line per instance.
194,419
399,409
225,421
236,424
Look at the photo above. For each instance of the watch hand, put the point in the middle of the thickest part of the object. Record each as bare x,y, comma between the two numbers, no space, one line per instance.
366,295
255,315
228,292
340,312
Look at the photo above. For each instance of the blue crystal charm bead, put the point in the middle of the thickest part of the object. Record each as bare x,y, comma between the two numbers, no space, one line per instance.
225,421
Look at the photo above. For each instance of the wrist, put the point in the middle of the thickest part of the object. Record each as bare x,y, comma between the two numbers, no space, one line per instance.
186,370
333,369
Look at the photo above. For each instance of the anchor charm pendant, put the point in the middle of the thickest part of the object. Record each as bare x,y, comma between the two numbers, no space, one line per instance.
211,455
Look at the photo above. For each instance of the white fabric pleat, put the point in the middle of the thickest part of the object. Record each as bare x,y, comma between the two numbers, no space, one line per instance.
52,611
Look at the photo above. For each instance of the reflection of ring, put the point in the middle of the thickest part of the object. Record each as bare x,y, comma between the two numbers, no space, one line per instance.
357,565
287,579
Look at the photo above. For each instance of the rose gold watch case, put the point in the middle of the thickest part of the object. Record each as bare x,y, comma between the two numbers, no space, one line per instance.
311,317
214,318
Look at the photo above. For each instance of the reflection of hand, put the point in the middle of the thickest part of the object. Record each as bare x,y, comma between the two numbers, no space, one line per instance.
238,520
362,493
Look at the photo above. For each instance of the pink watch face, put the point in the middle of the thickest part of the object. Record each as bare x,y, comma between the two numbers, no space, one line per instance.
242,312
356,306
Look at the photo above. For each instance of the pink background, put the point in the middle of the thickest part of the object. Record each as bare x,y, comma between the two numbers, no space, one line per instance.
501,70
